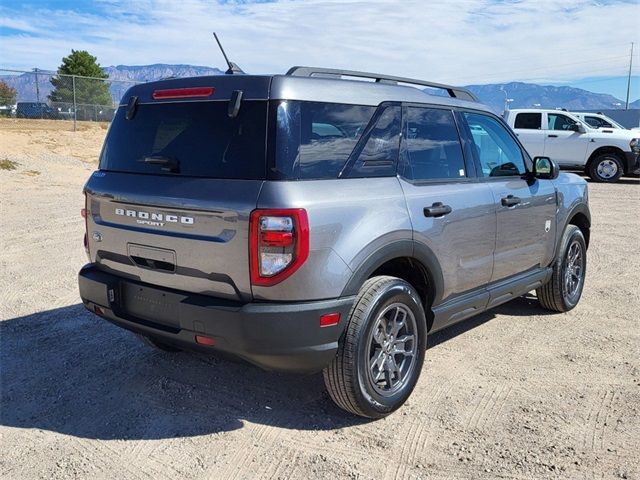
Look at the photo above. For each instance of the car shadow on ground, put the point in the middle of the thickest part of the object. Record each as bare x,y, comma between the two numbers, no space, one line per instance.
68,371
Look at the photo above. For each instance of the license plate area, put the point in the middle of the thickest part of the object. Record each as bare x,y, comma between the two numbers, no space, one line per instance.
150,304
152,258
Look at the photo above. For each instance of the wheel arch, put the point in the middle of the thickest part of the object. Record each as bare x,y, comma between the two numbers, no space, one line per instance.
604,150
579,216
414,263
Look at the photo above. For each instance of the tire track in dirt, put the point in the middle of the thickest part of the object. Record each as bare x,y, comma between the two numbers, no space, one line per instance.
417,434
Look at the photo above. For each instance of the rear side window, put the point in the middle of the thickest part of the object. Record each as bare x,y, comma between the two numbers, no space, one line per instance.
433,149
530,121
380,145
313,140
190,139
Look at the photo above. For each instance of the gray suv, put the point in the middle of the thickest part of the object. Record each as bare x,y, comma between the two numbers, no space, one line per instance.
314,221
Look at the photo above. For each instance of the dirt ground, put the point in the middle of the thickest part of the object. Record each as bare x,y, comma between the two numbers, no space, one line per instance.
516,393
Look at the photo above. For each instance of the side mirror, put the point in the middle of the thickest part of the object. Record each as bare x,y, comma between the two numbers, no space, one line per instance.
577,127
545,168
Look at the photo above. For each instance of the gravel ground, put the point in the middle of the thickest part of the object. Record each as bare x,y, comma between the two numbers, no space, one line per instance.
516,393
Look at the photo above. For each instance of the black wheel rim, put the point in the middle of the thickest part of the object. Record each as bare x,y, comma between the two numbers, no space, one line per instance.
573,271
393,347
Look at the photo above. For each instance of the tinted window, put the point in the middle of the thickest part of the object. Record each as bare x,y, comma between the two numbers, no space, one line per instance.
531,121
597,122
377,157
433,148
498,152
192,138
560,122
314,140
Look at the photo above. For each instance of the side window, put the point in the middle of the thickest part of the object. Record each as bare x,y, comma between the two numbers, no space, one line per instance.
560,122
313,140
597,122
377,158
529,121
433,149
499,154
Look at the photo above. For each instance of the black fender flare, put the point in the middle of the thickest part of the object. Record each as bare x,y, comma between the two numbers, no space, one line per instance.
399,249
579,208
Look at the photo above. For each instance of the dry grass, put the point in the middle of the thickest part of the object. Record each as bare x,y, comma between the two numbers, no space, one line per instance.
6,164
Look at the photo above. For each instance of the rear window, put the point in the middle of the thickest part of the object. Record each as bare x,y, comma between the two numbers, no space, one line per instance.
529,121
314,140
195,139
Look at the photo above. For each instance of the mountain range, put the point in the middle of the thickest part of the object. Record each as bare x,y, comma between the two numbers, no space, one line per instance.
523,95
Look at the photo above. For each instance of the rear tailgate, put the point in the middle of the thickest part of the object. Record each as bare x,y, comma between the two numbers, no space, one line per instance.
179,176
193,236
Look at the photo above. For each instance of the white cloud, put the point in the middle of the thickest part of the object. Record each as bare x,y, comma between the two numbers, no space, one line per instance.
466,41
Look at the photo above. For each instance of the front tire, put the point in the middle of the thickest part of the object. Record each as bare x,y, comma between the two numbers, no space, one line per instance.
380,356
606,168
562,293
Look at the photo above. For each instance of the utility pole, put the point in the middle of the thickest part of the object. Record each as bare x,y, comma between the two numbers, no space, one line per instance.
38,92
629,77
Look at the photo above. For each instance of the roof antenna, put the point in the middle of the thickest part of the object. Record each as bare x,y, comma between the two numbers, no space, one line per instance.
233,68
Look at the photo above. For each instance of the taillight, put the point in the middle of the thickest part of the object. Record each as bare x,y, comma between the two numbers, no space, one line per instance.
279,244
85,215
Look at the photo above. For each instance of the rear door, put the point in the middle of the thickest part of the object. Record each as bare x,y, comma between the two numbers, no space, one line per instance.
528,128
562,144
178,179
452,214
526,208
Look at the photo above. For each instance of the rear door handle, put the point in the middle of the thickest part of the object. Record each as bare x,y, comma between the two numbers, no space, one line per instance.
438,209
510,201
552,136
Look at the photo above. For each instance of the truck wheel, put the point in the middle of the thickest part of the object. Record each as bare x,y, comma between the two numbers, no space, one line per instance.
381,353
564,290
152,342
606,168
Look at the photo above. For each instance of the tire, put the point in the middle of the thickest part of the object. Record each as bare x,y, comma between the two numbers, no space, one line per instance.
606,168
152,342
372,331
563,291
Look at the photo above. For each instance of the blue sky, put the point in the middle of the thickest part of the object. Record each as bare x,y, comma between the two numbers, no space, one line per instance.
581,43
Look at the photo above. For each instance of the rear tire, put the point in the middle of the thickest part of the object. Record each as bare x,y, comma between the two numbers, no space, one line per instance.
158,344
563,291
606,168
380,356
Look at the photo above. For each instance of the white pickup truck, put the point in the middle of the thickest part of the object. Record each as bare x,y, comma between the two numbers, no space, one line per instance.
560,135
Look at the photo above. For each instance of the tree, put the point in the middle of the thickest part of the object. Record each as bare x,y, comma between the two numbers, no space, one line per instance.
8,94
90,91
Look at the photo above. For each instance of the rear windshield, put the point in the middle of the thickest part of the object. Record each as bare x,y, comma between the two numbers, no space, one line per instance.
196,139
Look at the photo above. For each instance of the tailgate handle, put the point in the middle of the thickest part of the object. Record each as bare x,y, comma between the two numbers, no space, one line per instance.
152,257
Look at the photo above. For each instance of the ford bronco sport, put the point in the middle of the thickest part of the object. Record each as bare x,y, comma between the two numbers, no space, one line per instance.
314,221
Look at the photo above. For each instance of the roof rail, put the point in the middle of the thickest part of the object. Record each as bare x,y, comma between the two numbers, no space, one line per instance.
455,92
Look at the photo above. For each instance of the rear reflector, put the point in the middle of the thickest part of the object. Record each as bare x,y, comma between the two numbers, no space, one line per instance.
98,310
329,320
83,212
183,93
203,340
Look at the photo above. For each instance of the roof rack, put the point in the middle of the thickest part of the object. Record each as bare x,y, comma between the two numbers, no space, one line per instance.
454,92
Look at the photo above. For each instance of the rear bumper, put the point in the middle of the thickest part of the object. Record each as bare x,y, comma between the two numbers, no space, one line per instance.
274,336
632,163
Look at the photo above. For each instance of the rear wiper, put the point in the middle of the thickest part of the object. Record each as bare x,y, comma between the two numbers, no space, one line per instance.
167,164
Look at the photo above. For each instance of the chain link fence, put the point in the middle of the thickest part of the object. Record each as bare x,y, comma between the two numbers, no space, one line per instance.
41,94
